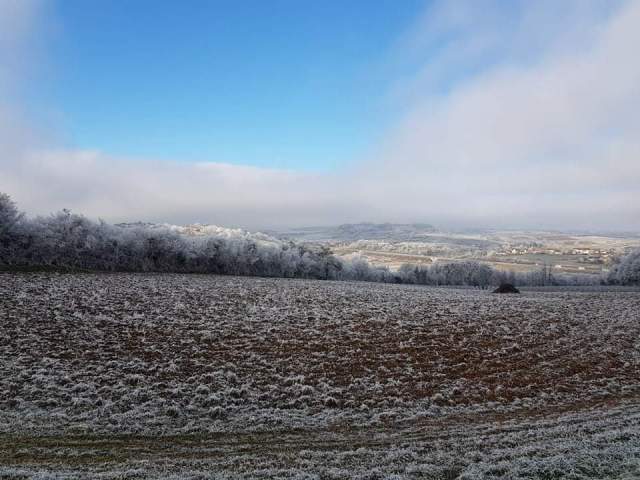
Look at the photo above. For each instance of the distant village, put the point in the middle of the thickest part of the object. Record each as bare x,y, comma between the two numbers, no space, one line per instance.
572,257
587,255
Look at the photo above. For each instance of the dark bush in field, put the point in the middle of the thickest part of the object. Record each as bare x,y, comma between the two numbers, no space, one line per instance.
506,288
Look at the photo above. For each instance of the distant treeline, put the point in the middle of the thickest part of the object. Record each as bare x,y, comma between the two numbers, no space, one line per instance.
70,242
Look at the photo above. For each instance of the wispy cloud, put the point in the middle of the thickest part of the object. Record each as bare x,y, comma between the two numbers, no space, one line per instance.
526,117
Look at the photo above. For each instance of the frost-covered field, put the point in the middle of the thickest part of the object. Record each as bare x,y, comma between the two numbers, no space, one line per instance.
188,376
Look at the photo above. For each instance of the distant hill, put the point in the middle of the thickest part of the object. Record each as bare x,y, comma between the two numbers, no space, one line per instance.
350,232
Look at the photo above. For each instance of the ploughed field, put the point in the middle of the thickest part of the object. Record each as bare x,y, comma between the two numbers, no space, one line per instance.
194,376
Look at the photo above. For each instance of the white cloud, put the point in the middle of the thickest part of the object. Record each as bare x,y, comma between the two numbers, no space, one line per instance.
542,132
121,189
537,144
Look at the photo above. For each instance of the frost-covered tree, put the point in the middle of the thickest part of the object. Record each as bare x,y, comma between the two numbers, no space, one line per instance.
9,214
626,271
11,231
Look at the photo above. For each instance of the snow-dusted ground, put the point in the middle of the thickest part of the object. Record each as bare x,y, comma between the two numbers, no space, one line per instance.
189,376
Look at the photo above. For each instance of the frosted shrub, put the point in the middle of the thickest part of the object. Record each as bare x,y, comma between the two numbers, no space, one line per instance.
172,411
330,402
202,390
216,412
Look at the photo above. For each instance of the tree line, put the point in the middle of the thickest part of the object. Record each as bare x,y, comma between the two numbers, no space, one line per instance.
71,242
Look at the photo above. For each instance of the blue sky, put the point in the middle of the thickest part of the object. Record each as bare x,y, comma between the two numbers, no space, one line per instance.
283,84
